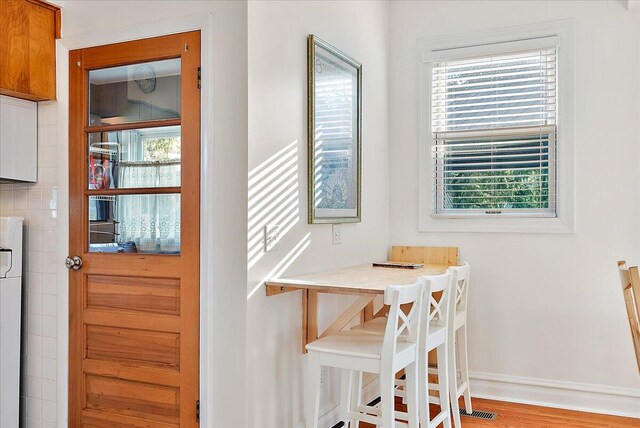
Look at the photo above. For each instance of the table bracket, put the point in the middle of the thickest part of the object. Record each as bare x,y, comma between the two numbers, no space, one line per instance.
273,290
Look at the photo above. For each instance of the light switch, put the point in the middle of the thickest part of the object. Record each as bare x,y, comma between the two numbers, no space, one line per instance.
336,232
271,236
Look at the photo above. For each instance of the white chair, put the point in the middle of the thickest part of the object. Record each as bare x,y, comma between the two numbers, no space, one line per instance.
384,355
459,336
435,333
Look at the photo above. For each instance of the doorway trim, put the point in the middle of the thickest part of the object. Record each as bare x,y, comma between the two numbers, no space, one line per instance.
204,23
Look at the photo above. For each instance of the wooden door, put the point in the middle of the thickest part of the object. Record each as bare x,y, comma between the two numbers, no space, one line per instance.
134,195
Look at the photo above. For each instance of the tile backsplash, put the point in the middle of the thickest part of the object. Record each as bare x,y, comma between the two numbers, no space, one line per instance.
38,204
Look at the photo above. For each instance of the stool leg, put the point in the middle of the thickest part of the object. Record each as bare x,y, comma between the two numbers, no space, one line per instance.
387,398
443,383
453,383
411,394
356,397
312,407
464,366
345,395
423,390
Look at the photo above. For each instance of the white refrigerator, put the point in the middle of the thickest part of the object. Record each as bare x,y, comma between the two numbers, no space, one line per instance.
10,312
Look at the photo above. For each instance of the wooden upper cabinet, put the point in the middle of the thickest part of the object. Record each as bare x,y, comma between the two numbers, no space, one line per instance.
28,33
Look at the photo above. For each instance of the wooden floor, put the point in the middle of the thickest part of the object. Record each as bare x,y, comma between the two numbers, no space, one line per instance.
511,415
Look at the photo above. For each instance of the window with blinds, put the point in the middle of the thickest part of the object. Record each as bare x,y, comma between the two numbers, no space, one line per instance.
493,120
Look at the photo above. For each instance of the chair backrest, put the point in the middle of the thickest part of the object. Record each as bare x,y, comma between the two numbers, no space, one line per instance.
438,311
427,255
398,322
630,279
462,285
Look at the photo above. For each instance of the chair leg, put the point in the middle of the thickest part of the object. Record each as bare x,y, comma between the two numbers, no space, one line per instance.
411,394
345,395
312,405
453,384
423,390
443,384
464,366
387,398
356,396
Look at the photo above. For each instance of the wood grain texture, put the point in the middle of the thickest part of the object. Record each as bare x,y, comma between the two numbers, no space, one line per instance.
155,295
426,255
512,415
140,400
134,318
28,29
133,346
630,280
360,279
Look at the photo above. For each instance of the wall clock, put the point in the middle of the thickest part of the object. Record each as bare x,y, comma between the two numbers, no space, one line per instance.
145,78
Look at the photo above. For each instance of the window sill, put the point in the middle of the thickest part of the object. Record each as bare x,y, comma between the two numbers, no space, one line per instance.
496,225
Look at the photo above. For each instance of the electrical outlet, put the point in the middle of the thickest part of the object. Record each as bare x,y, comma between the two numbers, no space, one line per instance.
336,233
271,236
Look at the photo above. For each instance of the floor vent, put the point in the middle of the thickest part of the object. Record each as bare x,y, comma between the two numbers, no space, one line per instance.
479,414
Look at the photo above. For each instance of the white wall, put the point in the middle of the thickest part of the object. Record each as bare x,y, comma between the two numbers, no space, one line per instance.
224,179
277,148
542,307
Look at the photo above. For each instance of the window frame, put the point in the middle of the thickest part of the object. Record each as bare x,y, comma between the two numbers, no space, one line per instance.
487,43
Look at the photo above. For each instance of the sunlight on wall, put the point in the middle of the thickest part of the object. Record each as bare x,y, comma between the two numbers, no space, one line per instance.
284,264
273,199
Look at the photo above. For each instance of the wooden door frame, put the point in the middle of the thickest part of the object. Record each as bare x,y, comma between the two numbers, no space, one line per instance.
204,23
113,55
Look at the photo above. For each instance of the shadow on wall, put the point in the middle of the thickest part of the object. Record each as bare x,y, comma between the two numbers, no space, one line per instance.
274,195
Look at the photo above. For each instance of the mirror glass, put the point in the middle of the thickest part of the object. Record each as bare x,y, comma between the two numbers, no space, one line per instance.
334,140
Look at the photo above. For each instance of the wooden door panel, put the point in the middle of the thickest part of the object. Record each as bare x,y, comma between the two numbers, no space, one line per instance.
138,373
152,295
134,317
133,346
128,319
94,419
140,400
28,30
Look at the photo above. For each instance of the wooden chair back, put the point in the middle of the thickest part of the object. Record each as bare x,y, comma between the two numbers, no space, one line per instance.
427,255
630,280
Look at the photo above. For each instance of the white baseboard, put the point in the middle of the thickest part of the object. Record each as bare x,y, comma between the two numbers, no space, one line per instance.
560,394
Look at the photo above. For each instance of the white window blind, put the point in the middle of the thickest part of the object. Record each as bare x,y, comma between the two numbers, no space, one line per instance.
494,134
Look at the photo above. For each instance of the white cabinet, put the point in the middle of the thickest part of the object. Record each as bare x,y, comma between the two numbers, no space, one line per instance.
18,139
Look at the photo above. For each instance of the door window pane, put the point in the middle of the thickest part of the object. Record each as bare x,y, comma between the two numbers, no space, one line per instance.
134,93
135,158
135,224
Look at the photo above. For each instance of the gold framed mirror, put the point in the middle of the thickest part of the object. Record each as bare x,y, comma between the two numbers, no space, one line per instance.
334,133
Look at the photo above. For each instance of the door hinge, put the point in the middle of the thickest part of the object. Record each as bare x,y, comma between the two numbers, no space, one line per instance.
199,77
197,410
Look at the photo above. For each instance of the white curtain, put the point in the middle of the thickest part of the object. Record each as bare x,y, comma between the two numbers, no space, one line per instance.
151,221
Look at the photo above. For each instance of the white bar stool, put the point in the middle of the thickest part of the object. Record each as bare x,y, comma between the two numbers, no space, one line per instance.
459,352
384,355
435,331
